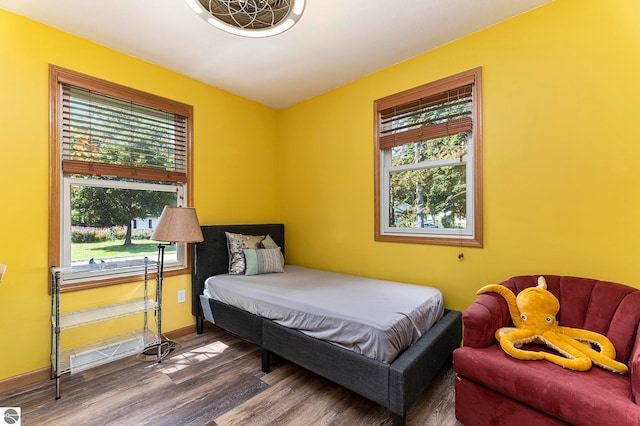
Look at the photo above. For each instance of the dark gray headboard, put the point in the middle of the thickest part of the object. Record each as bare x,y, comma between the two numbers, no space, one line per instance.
211,257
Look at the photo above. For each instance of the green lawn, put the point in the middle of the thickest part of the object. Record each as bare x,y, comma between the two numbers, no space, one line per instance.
112,249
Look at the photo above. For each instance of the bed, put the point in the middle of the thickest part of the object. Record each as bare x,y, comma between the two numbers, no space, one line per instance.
394,385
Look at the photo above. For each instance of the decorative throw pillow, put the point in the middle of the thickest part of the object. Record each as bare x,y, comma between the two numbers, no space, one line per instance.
268,243
263,261
235,244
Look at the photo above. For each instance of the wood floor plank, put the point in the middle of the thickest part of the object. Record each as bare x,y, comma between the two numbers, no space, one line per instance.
214,379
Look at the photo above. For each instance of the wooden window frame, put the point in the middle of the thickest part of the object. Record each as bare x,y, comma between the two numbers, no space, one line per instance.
474,77
58,75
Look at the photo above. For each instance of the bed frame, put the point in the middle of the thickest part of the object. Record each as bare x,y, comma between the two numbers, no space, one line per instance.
395,386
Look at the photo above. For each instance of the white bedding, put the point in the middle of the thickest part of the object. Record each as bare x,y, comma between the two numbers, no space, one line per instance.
375,318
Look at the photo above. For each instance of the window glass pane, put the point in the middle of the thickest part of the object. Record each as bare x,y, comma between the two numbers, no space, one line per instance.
112,223
445,148
428,198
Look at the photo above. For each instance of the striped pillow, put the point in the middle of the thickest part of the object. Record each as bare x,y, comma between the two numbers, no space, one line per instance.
263,261
269,243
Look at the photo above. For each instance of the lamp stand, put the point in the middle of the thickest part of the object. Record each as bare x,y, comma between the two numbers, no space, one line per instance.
164,347
176,225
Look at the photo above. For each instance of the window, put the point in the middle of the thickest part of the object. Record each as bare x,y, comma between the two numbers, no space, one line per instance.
118,156
428,171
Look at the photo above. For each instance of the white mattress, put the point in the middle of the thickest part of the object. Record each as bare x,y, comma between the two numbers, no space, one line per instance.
375,318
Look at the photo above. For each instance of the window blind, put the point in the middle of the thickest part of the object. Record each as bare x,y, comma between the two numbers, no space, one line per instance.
435,116
104,135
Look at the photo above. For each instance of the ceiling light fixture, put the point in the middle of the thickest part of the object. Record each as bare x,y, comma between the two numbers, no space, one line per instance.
249,18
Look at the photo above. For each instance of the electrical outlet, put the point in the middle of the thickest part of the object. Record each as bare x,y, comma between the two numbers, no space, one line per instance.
181,296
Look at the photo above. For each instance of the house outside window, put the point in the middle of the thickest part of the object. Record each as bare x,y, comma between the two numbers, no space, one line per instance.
118,155
428,169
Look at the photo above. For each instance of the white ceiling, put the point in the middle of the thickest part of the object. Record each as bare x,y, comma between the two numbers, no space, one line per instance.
335,41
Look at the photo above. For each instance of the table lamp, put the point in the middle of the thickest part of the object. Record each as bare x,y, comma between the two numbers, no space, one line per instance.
176,225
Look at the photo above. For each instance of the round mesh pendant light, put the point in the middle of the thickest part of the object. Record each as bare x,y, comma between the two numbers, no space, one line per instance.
250,18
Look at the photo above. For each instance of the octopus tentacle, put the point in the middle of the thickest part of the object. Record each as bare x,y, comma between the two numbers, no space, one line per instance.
504,331
509,297
575,359
511,343
583,340
590,338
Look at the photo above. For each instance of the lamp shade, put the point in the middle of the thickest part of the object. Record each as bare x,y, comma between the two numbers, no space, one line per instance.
178,225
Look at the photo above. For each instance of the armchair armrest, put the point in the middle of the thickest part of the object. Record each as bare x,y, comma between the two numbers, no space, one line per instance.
482,318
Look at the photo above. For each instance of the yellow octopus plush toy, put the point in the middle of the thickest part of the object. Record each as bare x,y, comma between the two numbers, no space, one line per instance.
534,315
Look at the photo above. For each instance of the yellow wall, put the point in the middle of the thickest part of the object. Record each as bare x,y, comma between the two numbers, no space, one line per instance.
558,200
234,174
561,175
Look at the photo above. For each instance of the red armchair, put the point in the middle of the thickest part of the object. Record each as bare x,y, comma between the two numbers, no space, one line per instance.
493,388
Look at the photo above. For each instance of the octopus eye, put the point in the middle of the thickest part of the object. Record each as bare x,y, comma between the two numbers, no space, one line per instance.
523,316
549,320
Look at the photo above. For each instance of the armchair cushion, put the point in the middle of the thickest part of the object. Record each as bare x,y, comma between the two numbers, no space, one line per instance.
587,397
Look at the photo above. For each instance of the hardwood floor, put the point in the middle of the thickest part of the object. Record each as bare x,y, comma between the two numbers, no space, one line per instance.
214,379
